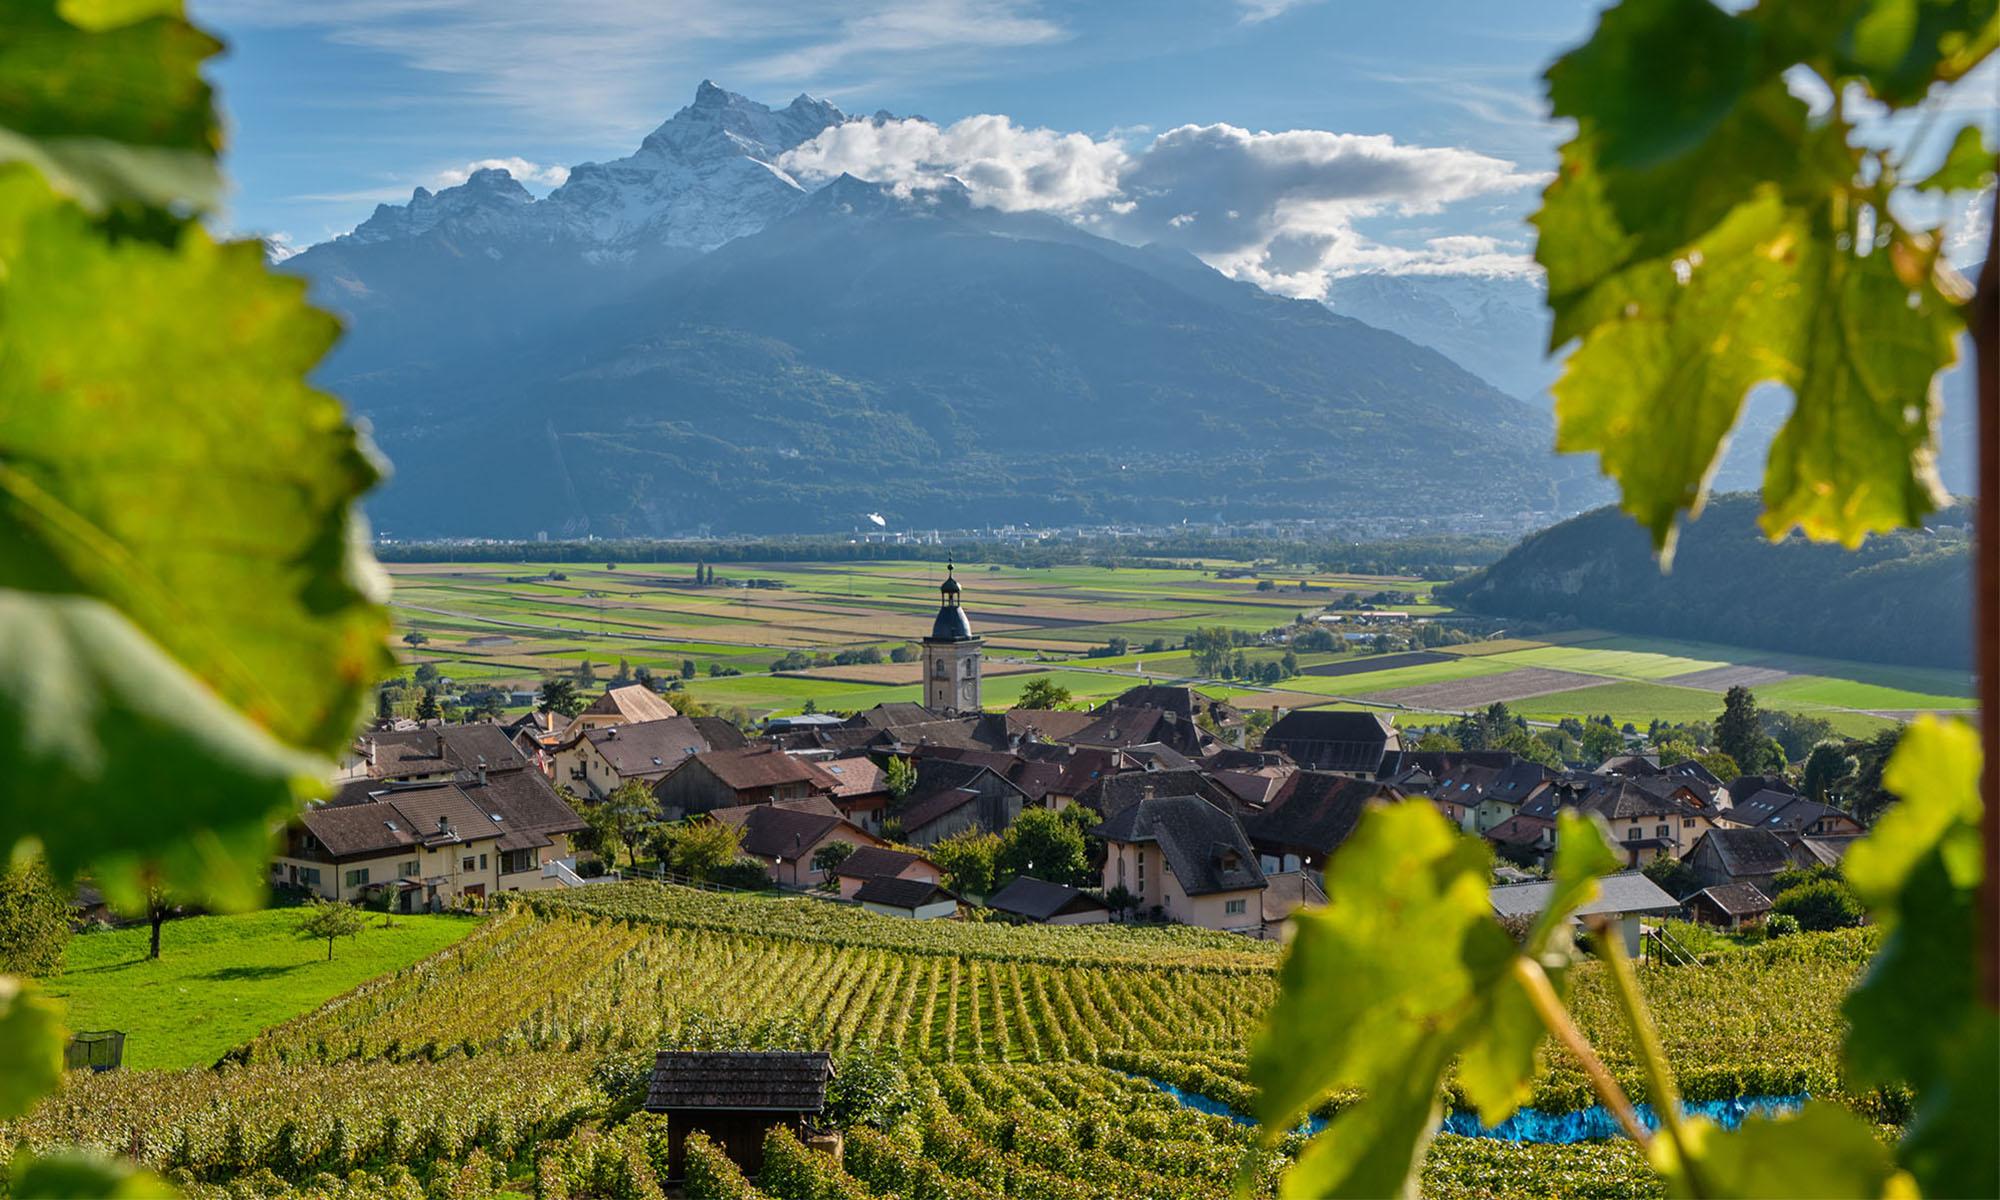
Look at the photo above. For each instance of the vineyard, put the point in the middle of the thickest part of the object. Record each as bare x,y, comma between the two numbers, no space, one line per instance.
1035,1060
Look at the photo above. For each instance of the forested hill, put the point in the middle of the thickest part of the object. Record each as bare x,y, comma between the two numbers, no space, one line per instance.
1903,597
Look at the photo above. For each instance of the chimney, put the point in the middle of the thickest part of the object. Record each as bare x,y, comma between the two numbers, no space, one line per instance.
444,824
1146,792
481,772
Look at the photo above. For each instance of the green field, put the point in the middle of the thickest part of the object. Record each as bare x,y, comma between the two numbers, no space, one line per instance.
219,980
508,624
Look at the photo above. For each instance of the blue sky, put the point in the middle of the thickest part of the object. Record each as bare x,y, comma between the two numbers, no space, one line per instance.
338,105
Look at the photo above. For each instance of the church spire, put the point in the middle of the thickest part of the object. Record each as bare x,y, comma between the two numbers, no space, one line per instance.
949,588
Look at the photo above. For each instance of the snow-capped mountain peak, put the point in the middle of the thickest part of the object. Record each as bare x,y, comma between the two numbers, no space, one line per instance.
707,175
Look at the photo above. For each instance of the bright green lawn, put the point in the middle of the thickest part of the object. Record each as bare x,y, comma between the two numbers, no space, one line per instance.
1634,702
220,980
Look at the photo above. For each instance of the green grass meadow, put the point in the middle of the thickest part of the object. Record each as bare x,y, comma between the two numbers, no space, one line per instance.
219,980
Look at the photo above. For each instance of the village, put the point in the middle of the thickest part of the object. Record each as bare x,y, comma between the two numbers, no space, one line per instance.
1150,807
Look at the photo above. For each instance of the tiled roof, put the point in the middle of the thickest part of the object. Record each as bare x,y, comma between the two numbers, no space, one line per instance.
856,776
1626,892
762,766
1736,899
1315,810
1114,794
438,749
1051,725
929,808
779,832
632,703
1038,900
740,1081
649,749
869,861
1334,739
1204,846
1746,852
900,893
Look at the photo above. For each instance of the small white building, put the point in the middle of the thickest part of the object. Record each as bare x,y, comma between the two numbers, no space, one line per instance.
919,899
1626,899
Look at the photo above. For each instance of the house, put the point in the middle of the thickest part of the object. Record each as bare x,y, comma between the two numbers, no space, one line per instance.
1110,795
1630,765
736,1097
951,797
1345,741
1287,892
728,778
914,899
1787,812
1724,856
1743,787
1185,860
1645,822
1116,727
785,836
1624,899
1311,816
602,760
431,752
1048,903
860,788
880,862
1728,905
627,705
1046,724
434,841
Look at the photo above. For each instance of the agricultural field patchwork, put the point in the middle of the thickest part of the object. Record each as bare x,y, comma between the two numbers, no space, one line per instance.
511,625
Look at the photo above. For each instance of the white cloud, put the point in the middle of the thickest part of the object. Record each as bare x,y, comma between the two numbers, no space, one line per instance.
911,27
1002,165
528,173
1279,209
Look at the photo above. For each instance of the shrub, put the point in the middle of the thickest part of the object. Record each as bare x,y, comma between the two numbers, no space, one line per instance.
710,1175
1781,925
743,874
1821,905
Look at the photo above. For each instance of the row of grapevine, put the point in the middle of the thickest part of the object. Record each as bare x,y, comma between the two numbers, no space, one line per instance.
846,926
565,983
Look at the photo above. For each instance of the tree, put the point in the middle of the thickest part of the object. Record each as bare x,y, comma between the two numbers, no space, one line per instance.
586,675
415,638
427,675
1798,733
330,919
559,697
644,678
966,860
702,846
1738,732
1436,739
1821,905
627,816
1867,796
905,653
687,668
1674,877
1718,764
810,707
1042,845
899,775
1827,766
427,708
1211,647
1120,900
1043,692
34,920
624,675
1601,742
827,859
159,908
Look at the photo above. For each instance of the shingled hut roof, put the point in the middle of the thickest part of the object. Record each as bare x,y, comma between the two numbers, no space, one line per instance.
786,1081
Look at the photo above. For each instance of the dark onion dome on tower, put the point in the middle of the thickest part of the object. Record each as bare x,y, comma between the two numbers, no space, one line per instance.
951,625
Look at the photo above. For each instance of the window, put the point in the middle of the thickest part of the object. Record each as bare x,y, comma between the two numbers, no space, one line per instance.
1234,907
467,863
309,876
1663,831
357,878
1687,822
411,869
482,862
1121,870
513,862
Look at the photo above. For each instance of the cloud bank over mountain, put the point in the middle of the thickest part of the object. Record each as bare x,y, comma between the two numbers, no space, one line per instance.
1281,210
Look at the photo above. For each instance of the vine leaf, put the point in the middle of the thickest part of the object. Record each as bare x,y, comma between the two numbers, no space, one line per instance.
1404,969
105,98
165,456
1916,1017
31,1048
1822,1151
85,1177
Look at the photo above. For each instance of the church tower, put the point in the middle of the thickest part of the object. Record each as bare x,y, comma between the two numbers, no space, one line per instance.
951,656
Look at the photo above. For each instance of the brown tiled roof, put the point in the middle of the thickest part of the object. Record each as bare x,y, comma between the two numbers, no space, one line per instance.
1050,724
763,766
649,749
856,776
633,703
869,861
1038,900
931,807
1736,899
900,893
774,831
1204,846
1315,810
740,1081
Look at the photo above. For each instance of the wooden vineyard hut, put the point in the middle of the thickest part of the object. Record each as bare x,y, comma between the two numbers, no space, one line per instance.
735,1097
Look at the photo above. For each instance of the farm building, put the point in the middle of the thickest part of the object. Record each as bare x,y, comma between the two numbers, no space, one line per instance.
916,899
728,778
599,762
736,1097
627,705
1049,903
1187,859
1728,905
873,862
785,836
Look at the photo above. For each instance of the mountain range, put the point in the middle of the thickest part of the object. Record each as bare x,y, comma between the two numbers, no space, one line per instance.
692,339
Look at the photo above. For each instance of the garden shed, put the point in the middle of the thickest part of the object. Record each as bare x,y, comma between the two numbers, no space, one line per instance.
735,1097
